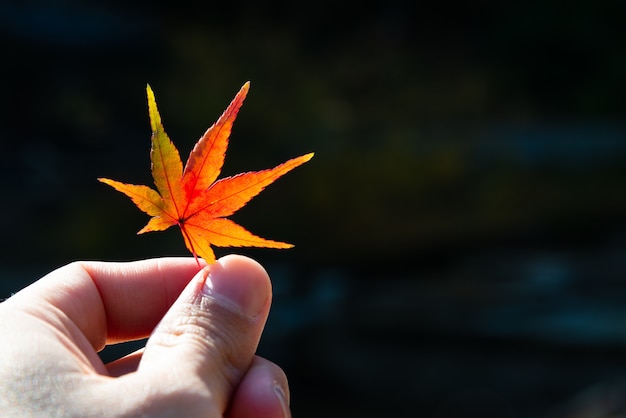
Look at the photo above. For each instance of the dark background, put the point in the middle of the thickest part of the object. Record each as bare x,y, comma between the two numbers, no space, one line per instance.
460,234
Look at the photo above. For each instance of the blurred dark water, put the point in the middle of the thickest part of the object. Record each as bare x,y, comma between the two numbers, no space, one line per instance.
460,235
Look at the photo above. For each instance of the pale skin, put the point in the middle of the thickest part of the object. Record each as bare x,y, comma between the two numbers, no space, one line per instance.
203,327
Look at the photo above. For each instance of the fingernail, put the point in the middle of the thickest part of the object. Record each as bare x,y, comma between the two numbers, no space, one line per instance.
235,290
282,398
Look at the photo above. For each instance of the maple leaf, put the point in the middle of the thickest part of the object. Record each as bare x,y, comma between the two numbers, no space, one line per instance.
192,198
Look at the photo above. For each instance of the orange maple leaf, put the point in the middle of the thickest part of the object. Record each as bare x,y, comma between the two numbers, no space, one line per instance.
192,198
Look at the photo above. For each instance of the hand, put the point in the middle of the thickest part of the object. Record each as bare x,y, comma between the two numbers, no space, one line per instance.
198,362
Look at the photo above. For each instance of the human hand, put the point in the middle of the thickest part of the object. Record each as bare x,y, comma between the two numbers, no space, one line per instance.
198,362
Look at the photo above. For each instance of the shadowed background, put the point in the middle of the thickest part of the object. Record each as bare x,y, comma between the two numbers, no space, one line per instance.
460,234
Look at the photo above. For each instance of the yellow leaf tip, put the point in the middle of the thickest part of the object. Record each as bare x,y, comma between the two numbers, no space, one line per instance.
153,111
244,89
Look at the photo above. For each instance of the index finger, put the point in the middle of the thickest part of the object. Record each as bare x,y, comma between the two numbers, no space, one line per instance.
112,302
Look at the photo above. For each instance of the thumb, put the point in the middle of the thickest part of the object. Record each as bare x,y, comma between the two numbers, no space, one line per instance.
205,343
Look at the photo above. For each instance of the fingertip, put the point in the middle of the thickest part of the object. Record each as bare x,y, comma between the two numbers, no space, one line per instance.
263,393
245,266
240,283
